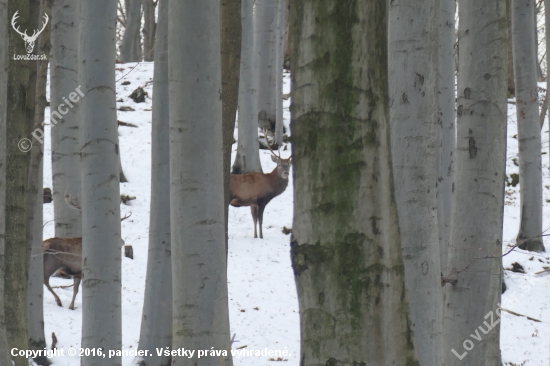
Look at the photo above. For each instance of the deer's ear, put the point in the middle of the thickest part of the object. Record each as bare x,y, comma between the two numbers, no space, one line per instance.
274,158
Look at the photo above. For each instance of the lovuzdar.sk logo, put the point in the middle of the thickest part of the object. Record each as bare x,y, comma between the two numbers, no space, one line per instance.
29,40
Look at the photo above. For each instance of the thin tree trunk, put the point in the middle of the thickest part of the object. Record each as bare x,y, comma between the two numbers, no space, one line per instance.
156,323
345,247
446,103
130,46
475,264
35,292
65,129
511,84
248,156
17,169
4,349
101,241
279,60
149,29
231,64
413,63
547,30
265,41
200,308
529,135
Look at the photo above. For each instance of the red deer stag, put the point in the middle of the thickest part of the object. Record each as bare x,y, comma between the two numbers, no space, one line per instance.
64,254
257,189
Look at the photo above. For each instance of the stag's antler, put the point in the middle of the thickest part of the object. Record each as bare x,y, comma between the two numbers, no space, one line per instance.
269,145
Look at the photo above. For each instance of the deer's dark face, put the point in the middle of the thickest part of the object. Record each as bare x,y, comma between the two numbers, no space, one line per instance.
283,166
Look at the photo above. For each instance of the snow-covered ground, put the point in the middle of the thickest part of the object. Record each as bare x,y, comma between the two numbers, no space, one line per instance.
262,293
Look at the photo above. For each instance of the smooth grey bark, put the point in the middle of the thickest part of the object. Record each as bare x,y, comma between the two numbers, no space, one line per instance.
35,287
346,246
149,29
231,37
248,156
200,303
279,60
413,63
265,45
446,104
474,261
529,135
18,121
547,30
156,322
130,48
4,350
101,241
65,131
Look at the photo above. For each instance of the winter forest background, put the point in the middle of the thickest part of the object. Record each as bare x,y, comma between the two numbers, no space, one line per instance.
399,149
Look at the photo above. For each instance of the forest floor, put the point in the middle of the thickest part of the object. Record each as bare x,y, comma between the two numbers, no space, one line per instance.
263,306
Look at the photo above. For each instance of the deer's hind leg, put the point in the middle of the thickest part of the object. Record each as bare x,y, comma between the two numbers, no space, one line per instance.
76,281
47,283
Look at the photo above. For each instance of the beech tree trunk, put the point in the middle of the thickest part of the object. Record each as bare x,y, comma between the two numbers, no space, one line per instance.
130,48
101,241
446,104
248,156
65,129
5,356
231,38
475,263
149,30
279,61
265,41
529,135
35,289
346,246
156,322
413,63
17,252
200,308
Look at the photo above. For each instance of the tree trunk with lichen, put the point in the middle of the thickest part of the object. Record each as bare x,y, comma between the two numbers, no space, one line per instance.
475,264
4,349
529,134
345,248
413,64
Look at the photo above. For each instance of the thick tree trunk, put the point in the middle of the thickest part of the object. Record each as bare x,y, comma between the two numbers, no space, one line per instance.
149,30
265,41
200,308
345,248
413,63
231,38
4,349
17,168
101,241
156,322
279,60
547,30
248,156
529,135
446,101
65,129
130,48
475,264
35,290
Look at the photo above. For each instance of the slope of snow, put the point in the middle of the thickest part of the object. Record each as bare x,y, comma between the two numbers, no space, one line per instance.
262,294
263,305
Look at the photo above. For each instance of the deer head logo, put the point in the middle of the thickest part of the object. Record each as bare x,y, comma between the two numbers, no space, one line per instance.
29,40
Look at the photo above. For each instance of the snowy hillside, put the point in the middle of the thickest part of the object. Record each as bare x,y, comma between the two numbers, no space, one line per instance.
262,293
263,306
